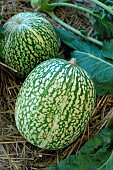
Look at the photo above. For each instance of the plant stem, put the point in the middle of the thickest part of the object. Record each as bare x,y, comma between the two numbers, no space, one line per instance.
73,29
107,8
53,5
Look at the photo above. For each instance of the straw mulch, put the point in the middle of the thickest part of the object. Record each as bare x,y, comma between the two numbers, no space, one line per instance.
15,152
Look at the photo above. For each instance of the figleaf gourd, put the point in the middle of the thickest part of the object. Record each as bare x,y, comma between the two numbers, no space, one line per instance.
54,104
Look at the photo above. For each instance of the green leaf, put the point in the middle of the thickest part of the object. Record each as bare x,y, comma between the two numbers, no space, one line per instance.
100,70
74,43
54,1
103,25
35,3
103,28
91,59
84,32
1,50
0,17
1,32
107,49
93,155
108,165
1,35
1,28
107,2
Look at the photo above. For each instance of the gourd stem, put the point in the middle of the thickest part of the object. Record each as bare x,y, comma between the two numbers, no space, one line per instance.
73,62
74,6
107,8
76,31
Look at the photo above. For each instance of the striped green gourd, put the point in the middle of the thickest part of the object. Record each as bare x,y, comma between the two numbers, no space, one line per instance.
54,104
29,40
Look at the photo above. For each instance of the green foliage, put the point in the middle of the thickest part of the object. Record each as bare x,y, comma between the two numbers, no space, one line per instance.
0,17
1,34
96,154
41,5
107,2
103,28
103,25
107,49
92,59
58,1
102,14
100,69
108,165
35,3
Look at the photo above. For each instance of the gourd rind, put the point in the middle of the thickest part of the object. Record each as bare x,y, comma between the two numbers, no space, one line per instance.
29,40
54,104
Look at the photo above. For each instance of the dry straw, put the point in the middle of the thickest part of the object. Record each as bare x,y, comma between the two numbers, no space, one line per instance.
15,152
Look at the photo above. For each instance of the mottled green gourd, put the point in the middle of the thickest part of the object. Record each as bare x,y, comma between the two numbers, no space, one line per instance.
54,104
29,40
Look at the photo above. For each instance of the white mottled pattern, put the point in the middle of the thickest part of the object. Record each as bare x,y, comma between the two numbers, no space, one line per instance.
29,40
54,104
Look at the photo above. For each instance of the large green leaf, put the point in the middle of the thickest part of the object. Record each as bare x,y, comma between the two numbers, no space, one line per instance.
96,154
100,70
0,17
74,43
107,49
108,165
1,50
90,58
1,29
103,27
